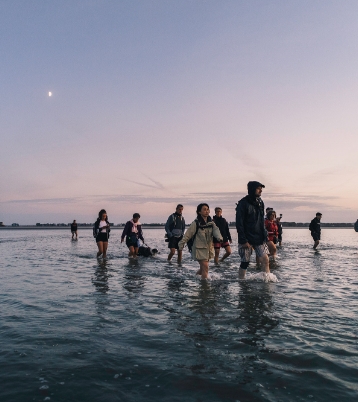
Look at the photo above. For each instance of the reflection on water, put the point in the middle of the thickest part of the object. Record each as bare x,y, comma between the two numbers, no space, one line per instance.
133,281
146,330
255,310
100,278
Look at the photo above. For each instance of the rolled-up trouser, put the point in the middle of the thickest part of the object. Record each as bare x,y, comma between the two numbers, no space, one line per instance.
246,252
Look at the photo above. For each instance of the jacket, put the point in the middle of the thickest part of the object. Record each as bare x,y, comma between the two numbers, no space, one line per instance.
279,226
127,231
223,226
203,247
272,229
96,229
315,226
171,223
250,223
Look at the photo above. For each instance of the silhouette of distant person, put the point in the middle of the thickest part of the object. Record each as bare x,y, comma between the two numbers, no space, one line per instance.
74,229
315,228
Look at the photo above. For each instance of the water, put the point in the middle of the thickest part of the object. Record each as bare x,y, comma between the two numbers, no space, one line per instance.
77,329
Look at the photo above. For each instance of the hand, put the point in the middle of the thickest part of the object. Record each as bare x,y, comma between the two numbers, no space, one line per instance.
230,241
246,245
121,240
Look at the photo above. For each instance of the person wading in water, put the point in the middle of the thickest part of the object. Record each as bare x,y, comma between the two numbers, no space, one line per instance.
132,232
223,226
251,230
202,232
101,231
175,228
74,229
315,228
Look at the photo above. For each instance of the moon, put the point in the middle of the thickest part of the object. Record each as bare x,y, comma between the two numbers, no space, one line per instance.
50,94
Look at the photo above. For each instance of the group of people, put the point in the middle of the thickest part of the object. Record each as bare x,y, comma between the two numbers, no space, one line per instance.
207,235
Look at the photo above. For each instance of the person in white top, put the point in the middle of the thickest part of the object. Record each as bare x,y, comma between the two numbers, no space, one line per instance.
101,231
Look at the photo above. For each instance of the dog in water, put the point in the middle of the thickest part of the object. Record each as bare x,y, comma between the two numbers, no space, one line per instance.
147,251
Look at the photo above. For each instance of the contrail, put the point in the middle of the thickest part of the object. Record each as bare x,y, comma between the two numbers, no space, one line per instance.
156,185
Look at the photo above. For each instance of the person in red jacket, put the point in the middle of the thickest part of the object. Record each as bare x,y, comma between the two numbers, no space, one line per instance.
272,230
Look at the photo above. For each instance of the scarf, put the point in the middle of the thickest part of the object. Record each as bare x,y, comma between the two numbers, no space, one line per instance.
202,223
134,227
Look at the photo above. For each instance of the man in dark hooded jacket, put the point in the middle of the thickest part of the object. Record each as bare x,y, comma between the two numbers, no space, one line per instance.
250,225
315,228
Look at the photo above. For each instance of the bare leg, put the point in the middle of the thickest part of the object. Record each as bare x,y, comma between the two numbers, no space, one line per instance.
227,253
136,251
242,273
204,268
180,255
132,253
216,258
105,246
171,254
264,261
100,248
76,235
316,243
272,248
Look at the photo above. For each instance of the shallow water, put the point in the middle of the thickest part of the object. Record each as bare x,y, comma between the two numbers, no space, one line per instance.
74,328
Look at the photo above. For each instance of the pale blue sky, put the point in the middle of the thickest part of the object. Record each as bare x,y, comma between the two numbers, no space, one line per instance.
190,99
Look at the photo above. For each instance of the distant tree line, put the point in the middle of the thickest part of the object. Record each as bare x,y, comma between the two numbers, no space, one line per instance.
232,224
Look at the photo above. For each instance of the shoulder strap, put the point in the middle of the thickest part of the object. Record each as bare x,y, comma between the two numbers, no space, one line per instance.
197,226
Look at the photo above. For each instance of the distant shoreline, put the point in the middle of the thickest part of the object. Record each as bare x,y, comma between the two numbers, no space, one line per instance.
144,227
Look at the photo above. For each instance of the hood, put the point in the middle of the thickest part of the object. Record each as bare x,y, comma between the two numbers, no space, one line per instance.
252,186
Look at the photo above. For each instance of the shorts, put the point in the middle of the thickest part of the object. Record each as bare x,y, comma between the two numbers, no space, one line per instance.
222,244
174,242
132,242
102,237
73,231
316,236
245,253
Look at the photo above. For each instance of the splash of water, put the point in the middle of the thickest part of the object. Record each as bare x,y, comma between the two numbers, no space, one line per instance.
262,277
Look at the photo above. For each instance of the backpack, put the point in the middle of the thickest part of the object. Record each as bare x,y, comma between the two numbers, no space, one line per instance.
190,242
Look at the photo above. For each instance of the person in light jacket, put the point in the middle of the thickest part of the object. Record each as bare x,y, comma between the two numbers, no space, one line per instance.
202,231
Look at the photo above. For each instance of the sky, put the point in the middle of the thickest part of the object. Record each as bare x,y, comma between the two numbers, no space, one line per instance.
156,103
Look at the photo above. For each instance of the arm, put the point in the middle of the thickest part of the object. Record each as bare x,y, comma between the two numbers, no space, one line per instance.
188,235
183,225
240,214
125,230
228,234
140,233
167,225
311,227
96,229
